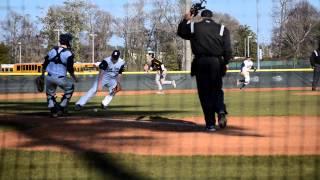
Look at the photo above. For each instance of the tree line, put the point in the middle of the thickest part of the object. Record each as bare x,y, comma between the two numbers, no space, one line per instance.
148,24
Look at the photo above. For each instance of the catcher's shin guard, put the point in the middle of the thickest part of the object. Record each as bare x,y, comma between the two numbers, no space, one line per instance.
51,101
66,97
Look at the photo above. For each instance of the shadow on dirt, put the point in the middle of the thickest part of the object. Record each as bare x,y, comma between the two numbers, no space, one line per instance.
73,132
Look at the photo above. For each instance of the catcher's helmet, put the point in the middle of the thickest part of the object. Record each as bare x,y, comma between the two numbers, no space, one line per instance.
65,39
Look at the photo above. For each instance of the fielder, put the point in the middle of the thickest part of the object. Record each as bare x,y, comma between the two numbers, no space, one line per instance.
155,65
58,61
109,76
246,66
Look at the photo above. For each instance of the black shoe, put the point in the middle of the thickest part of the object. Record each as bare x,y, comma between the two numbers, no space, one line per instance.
62,111
103,107
211,128
54,112
78,107
222,120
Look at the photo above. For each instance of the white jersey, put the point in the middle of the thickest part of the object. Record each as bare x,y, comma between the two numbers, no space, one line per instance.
58,69
246,65
111,70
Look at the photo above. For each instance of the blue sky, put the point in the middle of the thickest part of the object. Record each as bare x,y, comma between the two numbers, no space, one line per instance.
243,10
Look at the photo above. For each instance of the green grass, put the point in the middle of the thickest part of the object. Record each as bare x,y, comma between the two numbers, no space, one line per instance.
241,103
16,164
50,165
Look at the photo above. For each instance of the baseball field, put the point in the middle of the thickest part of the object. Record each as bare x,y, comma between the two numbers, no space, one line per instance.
272,133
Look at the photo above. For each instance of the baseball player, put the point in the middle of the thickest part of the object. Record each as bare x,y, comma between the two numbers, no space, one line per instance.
109,76
246,66
155,65
58,62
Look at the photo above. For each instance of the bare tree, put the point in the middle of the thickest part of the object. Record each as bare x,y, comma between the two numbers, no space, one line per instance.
12,31
164,19
50,22
280,15
19,28
302,20
132,29
100,23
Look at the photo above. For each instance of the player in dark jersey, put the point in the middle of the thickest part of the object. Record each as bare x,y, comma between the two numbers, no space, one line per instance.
155,65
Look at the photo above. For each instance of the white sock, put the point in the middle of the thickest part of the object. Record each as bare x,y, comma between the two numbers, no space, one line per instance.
107,100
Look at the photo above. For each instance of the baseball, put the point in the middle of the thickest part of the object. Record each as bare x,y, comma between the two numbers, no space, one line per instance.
95,110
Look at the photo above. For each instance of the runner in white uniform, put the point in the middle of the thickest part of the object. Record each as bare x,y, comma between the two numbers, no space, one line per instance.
109,76
246,66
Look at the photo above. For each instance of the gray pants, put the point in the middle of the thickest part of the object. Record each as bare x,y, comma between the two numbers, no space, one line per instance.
316,76
161,80
66,84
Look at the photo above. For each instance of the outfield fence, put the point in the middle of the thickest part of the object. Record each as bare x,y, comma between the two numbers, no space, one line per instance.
24,83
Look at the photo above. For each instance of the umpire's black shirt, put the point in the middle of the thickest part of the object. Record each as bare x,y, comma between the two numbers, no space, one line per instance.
207,38
315,58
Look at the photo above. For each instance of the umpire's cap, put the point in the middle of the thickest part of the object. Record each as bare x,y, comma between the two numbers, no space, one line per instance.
115,54
206,13
65,39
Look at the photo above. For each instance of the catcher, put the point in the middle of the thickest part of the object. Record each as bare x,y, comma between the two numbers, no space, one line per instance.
109,76
58,62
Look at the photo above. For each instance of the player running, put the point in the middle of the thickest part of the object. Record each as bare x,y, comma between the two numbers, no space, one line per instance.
155,65
110,75
246,66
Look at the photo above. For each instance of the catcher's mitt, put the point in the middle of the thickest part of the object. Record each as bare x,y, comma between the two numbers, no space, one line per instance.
116,89
39,81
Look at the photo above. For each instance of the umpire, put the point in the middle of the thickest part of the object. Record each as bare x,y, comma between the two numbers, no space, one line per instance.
315,63
210,44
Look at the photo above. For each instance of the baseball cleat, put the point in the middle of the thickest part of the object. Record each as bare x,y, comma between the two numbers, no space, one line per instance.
54,112
62,111
78,107
103,107
211,129
54,115
159,92
222,120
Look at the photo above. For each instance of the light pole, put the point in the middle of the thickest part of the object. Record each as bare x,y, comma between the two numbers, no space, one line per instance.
187,46
258,48
19,43
58,30
92,35
249,37
245,46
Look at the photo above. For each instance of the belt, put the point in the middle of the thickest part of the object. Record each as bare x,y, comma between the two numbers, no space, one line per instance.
58,76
